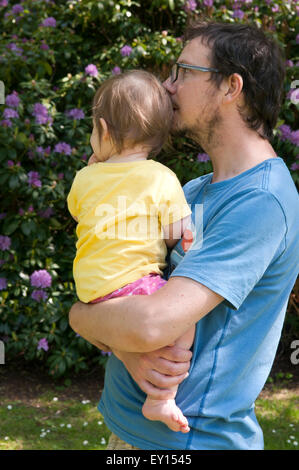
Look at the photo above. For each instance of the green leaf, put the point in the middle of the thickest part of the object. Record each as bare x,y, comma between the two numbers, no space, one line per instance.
13,182
171,4
26,228
10,227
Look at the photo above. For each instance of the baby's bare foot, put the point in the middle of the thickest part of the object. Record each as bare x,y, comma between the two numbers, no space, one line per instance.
167,412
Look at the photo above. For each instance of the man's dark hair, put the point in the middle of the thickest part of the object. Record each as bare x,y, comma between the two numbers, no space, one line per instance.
246,50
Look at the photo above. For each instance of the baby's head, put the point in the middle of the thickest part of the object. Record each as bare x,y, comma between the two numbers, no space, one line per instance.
136,109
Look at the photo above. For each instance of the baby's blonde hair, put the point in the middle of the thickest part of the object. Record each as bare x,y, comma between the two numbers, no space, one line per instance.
136,108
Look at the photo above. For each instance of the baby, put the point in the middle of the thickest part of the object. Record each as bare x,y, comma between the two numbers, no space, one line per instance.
129,208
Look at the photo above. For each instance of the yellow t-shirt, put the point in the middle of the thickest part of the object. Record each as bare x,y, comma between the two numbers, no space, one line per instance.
121,209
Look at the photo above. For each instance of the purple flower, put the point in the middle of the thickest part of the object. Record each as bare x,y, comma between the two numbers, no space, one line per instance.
9,113
116,70
2,215
293,95
41,278
64,148
286,132
126,51
208,3
12,100
13,47
46,214
3,3
295,166
44,46
275,8
10,163
295,137
40,150
43,344
33,179
104,353
3,283
238,14
297,39
43,152
41,114
2,261
60,176
17,9
21,211
289,63
39,295
190,5
5,242
5,123
76,113
91,70
49,22
203,157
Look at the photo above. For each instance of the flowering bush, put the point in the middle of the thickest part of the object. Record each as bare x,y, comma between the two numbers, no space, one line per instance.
53,57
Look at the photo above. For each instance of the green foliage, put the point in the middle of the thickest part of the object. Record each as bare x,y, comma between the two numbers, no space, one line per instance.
46,66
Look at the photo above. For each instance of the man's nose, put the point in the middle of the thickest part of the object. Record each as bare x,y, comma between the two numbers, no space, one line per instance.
169,86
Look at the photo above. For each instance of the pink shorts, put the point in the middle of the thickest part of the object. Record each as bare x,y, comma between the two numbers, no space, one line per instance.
146,285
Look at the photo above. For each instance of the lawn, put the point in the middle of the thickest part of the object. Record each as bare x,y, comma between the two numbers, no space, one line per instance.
52,422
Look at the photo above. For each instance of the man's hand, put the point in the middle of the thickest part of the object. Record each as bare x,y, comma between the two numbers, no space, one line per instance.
156,372
92,159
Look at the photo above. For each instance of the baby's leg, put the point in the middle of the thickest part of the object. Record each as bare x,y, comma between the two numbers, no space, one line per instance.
166,410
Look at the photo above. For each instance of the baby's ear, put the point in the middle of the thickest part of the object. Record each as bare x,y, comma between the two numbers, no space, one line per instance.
105,134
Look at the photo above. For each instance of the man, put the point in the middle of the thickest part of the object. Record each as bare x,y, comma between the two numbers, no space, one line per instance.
226,91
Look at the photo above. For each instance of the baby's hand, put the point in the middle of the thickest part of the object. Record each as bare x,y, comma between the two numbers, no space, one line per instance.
92,159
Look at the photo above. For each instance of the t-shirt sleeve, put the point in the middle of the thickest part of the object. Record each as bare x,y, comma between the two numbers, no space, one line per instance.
237,246
72,199
173,205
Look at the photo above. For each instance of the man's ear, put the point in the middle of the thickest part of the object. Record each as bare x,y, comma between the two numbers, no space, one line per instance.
234,87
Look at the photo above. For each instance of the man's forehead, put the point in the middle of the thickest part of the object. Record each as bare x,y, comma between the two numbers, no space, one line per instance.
195,53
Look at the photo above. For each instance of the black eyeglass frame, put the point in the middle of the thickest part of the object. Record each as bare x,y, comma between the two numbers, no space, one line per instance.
181,65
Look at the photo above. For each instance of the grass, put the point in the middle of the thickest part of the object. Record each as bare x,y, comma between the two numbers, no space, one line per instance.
278,415
48,424
51,423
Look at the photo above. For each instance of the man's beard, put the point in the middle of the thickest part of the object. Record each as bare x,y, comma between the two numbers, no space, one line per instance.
203,131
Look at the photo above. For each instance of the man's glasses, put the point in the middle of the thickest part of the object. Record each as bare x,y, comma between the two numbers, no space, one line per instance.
175,70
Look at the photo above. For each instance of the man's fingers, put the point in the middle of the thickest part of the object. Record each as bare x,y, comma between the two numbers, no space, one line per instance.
175,353
164,381
167,367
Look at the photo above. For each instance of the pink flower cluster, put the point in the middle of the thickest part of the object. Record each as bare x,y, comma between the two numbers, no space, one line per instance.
288,134
42,279
49,22
91,70
41,114
12,101
126,51
43,344
33,179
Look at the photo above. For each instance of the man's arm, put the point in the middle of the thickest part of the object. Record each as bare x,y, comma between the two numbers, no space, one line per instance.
145,323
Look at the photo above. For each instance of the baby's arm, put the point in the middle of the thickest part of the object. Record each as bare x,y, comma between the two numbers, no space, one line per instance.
174,232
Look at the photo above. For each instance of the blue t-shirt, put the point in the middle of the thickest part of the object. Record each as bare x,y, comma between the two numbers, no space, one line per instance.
245,248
